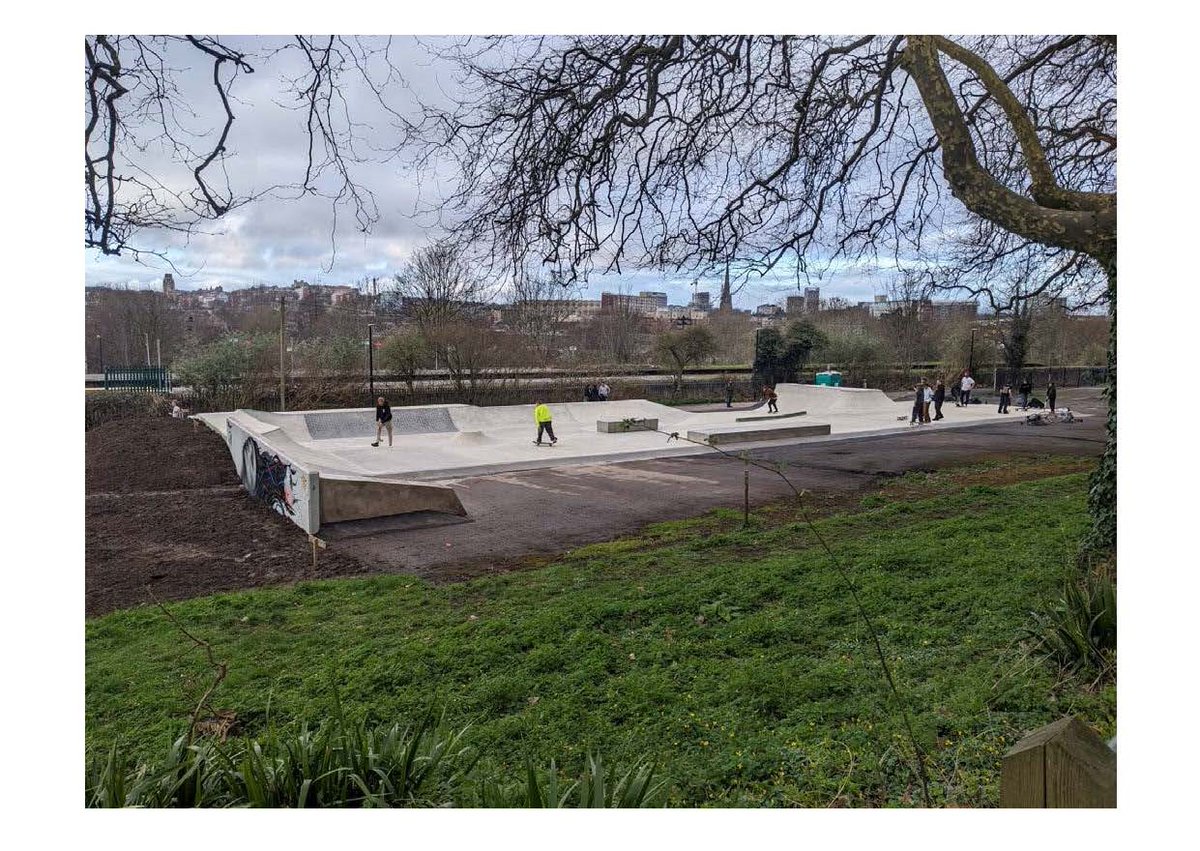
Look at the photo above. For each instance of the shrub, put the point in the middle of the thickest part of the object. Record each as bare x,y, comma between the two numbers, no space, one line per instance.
343,764
1079,631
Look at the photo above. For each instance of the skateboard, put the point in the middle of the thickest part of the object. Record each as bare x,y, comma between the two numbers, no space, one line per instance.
535,443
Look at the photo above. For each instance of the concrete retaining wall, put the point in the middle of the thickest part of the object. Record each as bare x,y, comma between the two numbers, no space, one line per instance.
360,499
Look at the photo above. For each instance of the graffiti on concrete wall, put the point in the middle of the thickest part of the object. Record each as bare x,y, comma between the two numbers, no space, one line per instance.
268,477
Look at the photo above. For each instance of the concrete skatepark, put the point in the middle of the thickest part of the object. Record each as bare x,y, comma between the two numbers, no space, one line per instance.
319,468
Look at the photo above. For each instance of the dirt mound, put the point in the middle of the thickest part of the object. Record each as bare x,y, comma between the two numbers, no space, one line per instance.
165,515
144,454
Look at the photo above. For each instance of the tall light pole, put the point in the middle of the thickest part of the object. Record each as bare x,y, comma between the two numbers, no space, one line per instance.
971,359
282,374
371,359
100,337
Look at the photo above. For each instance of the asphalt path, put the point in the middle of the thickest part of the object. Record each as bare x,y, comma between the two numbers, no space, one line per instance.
523,514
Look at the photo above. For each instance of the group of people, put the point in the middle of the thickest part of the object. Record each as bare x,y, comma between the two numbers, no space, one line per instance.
596,392
933,396
926,397
1025,396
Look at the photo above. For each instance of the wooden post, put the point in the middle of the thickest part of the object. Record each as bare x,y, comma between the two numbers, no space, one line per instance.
746,497
1064,764
317,543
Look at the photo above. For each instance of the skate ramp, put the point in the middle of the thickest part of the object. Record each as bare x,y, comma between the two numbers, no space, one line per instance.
336,425
820,401
312,486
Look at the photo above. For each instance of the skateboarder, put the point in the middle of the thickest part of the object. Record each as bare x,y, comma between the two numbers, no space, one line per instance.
541,415
728,394
927,391
383,418
1051,395
1005,399
772,400
1025,390
918,404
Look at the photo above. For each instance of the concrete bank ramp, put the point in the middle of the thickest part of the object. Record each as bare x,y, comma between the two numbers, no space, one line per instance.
820,401
338,425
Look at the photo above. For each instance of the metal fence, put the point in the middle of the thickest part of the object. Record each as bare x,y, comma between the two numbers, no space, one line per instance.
147,379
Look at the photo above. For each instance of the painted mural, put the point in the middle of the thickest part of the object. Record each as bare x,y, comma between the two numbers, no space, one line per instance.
286,488
269,477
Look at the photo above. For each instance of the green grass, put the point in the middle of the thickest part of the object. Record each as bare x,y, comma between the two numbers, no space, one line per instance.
731,657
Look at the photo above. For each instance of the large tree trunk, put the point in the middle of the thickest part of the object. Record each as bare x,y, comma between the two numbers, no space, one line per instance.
1102,494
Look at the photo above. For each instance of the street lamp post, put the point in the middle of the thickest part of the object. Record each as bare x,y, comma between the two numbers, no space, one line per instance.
371,359
971,359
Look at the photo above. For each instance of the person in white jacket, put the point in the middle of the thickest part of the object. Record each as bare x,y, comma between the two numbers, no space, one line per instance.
965,387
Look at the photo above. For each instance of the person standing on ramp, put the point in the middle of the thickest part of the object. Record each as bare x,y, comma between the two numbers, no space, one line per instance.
541,415
383,417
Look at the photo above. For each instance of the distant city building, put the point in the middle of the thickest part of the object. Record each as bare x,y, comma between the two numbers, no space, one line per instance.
168,285
701,301
644,303
768,310
344,295
965,310
926,309
812,299
809,302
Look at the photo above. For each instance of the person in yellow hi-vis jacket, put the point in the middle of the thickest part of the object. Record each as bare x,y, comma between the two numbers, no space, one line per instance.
541,415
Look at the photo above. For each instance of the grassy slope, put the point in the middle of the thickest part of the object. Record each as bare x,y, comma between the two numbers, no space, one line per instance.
732,657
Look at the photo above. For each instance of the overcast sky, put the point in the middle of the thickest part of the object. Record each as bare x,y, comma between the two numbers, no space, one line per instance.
276,240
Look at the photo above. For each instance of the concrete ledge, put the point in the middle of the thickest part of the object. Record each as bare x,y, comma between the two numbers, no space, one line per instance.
771,417
639,424
734,434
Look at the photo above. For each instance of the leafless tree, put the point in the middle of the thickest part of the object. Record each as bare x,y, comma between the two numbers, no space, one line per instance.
541,304
439,287
123,321
904,325
691,151
620,329
155,160
677,350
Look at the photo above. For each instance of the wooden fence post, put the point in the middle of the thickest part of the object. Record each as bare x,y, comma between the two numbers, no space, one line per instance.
1064,764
